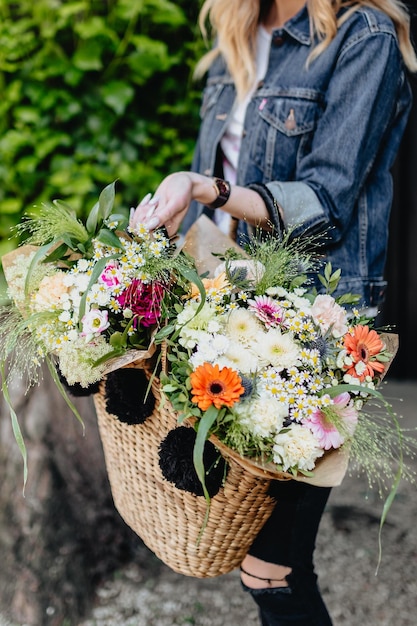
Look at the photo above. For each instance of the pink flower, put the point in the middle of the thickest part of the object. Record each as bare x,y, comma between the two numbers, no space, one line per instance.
322,422
94,322
144,300
267,310
111,275
329,315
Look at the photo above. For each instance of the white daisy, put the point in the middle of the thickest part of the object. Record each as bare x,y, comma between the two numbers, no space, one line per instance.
277,348
242,326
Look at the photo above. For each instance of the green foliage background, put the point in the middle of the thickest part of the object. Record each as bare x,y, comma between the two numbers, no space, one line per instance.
93,91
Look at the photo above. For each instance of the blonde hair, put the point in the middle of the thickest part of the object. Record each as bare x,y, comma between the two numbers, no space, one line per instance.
234,23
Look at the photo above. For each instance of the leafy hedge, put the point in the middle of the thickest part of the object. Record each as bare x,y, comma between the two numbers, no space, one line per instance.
93,91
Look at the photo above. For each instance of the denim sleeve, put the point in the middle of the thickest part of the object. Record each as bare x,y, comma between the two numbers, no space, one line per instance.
362,102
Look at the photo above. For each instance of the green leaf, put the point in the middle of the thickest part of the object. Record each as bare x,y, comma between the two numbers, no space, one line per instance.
106,201
10,205
116,340
109,238
92,220
108,356
164,332
102,209
204,425
117,95
63,392
121,219
88,56
15,424
39,256
169,388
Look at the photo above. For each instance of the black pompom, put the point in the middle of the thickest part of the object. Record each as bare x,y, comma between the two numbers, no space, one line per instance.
127,395
176,462
78,390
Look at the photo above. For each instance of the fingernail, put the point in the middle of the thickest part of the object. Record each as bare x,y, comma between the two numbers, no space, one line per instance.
153,223
132,212
145,200
154,200
150,212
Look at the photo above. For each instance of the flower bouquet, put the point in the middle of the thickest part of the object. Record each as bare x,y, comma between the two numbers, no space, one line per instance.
86,297
278,375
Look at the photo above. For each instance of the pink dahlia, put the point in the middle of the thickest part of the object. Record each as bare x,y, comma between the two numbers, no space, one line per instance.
144,300
267,310
323,423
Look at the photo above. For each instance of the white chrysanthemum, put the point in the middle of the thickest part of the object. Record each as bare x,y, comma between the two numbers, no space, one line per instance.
263,416
277,348
301,303
296,448
240,358
194,326
190,337
81,282
220,343
189,314
277,291
83,265
210,348
340,360
242,326
213,326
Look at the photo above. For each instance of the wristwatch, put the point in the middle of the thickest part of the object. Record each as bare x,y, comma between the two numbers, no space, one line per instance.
223,193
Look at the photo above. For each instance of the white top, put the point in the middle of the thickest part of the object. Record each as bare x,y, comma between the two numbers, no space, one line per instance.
232,138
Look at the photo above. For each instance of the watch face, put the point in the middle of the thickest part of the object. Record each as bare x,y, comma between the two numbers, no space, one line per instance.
223,188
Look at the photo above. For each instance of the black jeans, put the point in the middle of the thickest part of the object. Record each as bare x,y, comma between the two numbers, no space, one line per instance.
288,538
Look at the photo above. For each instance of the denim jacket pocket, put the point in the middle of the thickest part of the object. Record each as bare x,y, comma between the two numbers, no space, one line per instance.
282,134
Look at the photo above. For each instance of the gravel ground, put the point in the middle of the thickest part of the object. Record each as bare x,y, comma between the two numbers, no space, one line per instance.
147,593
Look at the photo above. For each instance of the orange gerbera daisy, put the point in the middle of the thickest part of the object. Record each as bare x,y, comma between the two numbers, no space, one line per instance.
362,345
217,284
212,385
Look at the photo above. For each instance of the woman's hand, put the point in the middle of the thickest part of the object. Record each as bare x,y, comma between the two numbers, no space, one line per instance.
173,197
171,201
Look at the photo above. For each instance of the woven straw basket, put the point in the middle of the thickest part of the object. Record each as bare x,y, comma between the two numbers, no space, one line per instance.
169,520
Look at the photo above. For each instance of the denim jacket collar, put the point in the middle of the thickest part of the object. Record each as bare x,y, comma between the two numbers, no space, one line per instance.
298,27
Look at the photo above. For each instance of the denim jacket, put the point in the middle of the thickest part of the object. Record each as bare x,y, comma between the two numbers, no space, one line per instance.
321,140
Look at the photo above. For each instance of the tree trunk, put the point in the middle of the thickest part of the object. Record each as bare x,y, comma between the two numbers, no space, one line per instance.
58,540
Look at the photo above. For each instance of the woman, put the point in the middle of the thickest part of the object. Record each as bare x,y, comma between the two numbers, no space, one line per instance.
303,111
